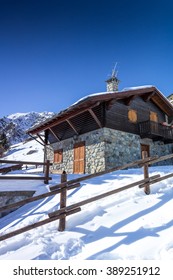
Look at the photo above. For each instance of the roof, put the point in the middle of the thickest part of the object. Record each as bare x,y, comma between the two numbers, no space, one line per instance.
147,92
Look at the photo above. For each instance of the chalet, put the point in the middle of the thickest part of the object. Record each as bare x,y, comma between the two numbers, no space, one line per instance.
108,129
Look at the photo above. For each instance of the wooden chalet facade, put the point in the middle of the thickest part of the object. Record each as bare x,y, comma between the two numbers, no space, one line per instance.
104,130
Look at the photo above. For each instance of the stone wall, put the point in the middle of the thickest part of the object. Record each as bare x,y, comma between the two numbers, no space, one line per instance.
120,147
106,148
10,197
67,164
94,152
158,148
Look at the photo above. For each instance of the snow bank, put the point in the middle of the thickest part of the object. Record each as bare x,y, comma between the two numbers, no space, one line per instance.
126,226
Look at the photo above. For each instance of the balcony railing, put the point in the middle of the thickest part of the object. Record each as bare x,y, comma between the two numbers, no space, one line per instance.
156,131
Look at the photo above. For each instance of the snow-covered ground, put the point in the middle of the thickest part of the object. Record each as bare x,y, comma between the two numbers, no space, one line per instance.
126,226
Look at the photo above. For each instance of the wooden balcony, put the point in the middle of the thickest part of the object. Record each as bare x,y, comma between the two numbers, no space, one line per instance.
156,131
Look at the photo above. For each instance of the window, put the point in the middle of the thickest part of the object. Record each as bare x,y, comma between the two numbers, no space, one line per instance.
132,116
153,117
58,156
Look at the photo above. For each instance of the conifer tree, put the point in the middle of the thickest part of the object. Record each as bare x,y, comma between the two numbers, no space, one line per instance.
4,141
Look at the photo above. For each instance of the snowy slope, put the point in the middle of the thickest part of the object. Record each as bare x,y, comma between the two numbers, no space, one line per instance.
127,225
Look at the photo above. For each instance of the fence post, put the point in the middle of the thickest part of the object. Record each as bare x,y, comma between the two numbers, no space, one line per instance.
46,172
63,200
146,173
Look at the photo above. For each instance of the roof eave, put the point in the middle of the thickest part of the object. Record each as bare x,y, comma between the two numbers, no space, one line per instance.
92,100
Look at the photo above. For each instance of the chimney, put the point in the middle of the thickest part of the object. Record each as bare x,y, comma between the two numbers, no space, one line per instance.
112,82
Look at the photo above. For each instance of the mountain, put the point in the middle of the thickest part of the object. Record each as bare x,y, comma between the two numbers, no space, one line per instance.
15,125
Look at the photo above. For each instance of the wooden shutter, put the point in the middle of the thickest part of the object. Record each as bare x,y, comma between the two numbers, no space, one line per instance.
153,117
79,158
132,116
58,156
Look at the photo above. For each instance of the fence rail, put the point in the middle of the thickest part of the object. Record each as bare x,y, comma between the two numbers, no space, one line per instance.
140,162
46,165
76,207
24,162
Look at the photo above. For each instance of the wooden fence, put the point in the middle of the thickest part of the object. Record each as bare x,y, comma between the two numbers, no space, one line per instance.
19,164
65,185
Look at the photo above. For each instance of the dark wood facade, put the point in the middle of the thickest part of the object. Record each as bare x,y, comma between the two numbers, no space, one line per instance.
118,118
126,111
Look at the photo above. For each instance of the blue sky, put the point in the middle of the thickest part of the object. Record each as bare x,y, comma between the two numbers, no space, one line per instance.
54,52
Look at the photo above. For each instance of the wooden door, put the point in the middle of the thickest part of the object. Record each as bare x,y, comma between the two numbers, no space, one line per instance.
79,158
145,148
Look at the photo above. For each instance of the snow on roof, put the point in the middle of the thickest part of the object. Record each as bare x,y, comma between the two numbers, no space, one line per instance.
110,92
149,86
137,87
90,95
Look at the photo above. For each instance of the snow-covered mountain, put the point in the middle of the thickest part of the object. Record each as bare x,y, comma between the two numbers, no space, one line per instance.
16,125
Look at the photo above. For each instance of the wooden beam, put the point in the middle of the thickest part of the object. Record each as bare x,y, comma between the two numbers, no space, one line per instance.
146,97
72,126
10,168
156,180
75,112
54,134
39,136
17,193
63,201
90,176
128,100
35,198
103,195
95,117
4,177
146,173
162,158
110,103
38,224
23,162
163,104
36,139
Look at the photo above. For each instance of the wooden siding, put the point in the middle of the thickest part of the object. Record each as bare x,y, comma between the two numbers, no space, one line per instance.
117,115
112,114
